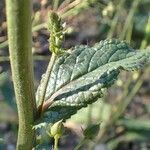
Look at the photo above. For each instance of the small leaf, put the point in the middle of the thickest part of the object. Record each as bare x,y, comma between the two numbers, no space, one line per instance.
78,79
91,131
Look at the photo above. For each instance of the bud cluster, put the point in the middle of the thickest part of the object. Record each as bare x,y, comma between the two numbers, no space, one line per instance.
56,33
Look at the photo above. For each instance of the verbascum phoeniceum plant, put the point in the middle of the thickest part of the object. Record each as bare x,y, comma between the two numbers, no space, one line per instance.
72,80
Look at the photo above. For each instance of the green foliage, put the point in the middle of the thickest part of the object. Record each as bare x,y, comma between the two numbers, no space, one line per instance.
136,130
79,78
91,131
135,124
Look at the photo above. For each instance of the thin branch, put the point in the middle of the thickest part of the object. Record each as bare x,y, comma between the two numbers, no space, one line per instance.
129,17
69,6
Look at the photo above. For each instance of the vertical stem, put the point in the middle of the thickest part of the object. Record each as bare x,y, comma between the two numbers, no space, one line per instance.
129,17
115,19
146,37
80,144
56,143
55,4
20,39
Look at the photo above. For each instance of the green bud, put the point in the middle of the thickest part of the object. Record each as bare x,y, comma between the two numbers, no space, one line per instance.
57,129
56,33
54,23
91,131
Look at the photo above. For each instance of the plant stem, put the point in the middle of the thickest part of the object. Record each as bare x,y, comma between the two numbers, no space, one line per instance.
46,79
80,144
129,32
115,19
20,42
55,4
56,143
70,6
39,27
146,37
129,18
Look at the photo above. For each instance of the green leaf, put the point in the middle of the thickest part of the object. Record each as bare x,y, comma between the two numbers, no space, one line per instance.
79,78
135,124
91,131
139,137
136,130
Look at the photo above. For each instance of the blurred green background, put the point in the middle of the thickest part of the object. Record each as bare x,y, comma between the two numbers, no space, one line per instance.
124,112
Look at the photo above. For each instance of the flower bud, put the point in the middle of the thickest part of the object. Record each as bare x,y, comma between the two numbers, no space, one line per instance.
57,129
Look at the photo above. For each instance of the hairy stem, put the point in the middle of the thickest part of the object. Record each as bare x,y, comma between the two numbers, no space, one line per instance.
20,39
